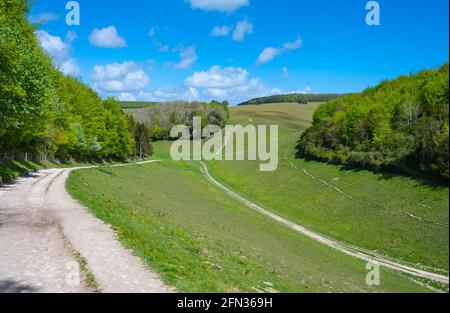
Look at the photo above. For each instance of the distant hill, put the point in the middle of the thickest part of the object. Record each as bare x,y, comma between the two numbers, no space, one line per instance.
291,98
135,104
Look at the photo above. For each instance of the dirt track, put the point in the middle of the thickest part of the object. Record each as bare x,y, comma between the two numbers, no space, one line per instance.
347,249
37,216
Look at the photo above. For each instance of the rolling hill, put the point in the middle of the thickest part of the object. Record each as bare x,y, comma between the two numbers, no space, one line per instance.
200,239
292,98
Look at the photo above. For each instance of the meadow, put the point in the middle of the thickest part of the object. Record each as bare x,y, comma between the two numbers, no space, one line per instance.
199,239
396,216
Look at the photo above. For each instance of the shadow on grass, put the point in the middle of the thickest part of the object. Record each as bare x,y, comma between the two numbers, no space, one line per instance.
104,171
383,173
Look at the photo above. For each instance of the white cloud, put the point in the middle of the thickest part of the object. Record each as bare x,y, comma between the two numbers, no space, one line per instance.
238,32
70,67
285,72
161,46
152,32
218,5
221,31
126,96
54,45
276,91
119,77
270,53
216,93
107,38
307,90
216,77
188,56
43,18
168,94
60,50
231,83
242,28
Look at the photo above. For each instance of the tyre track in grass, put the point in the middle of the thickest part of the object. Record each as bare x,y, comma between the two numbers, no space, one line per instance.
342,247
349,196
38,217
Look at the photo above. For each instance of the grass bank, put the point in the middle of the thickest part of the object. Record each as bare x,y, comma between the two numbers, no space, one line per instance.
201,240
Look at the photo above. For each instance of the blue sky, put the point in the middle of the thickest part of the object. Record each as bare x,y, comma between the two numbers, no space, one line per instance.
239,49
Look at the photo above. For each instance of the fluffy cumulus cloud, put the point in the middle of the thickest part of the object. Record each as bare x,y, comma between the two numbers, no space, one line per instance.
227,6
169,94
119,79
217,77
237,32
230,83
188,56
270,53
107,37
126,82
60,50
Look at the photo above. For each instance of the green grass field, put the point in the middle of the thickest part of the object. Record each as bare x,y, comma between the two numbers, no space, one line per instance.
396,216
200,239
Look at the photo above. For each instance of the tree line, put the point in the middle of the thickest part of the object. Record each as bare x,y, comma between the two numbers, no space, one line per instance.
159,119
400,125
292,98
47,115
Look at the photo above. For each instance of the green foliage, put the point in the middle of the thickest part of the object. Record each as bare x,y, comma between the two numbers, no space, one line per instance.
160,118
26,80
400,125
135,104
292,98
143,141
45,114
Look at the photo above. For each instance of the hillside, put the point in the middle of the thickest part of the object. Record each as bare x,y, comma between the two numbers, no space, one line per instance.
135,104
399,125
222,238
292,98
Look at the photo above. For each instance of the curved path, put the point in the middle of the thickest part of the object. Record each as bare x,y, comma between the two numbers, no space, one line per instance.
38,219
37,216
347,249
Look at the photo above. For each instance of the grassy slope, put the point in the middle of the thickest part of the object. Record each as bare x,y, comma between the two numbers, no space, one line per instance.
200,240
378,211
